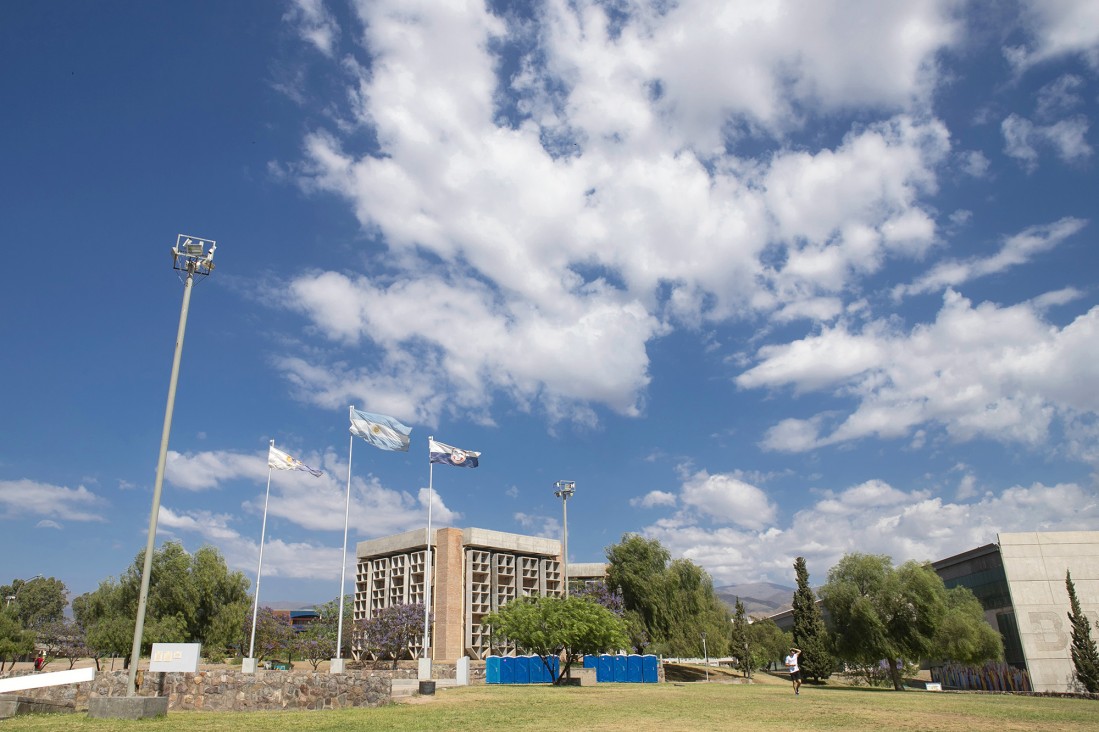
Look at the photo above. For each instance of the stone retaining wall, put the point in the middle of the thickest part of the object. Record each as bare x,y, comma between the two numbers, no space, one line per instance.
230,690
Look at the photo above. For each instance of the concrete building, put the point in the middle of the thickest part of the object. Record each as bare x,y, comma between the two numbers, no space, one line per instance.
1034,566
474,572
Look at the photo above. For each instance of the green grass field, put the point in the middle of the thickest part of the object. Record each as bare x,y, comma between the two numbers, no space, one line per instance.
769,704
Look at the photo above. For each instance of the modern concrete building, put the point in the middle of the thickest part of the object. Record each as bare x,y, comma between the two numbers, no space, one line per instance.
475,571
1034,567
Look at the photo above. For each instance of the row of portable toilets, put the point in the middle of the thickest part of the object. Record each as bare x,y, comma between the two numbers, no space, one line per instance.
622,669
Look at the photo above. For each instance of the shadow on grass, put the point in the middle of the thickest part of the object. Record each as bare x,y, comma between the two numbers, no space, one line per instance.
688,672
835,686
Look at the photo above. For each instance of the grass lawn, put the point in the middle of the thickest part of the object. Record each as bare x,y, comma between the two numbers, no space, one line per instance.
769,704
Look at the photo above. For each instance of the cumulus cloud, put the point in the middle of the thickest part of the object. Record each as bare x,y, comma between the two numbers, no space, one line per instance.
653,499
873,517
1003,373
563,219
28,499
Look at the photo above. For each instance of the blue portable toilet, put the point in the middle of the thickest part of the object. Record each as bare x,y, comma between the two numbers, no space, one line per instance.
604,672
522,669
554,668
633,668
544,664
620,669
507,670
591,661
650,673
492,670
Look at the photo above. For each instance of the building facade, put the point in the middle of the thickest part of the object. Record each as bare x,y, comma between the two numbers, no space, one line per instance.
473,573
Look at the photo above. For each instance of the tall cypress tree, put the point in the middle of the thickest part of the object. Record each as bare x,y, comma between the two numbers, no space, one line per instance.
1085,656
810,635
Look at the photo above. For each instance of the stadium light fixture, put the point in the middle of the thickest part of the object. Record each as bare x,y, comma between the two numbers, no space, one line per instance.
565,491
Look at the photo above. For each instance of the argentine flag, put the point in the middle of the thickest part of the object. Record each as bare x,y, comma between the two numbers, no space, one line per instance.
380,431
280,460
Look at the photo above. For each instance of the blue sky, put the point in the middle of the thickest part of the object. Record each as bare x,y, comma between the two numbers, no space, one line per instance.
766,280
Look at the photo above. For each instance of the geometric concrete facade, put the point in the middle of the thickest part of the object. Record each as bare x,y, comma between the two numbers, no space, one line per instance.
1035,564
474,572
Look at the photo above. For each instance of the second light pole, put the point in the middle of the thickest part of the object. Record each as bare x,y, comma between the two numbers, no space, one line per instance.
565,490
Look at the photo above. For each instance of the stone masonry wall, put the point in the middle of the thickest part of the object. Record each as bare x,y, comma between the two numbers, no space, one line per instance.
230,690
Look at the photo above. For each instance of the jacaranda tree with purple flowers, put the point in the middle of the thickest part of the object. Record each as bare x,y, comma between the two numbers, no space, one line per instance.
390,633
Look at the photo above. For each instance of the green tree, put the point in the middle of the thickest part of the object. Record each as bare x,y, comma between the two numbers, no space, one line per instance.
110,637
187,594
963,635
329,625
810,635
100,614
895,614
1085,655
230,630
548,626
673,601
15,641
635,569
767,642
741,642
39,601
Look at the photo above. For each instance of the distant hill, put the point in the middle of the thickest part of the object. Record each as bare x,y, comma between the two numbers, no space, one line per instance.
760,598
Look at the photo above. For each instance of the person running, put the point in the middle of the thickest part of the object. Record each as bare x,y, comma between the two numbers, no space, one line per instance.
795,671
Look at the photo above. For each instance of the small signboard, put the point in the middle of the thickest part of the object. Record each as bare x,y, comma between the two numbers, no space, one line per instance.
175,657
933,686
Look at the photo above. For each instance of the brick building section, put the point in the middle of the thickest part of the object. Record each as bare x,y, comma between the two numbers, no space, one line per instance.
450,596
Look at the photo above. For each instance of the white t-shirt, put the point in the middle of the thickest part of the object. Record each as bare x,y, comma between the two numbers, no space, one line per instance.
792,662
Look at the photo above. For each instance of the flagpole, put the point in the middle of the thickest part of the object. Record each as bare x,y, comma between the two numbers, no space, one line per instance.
427,556
259,569
343,568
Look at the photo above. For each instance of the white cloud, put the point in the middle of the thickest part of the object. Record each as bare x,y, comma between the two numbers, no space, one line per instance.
875,518
1059,97
1057,28
724,498
1067,138
315,24
1017,250
205,470
300,560
997,372
546,527
28,498
47,524
653,499
560,244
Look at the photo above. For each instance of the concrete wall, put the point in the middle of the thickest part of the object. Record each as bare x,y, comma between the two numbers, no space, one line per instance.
1035,564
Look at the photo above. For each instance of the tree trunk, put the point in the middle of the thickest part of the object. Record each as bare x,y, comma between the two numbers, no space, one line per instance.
895,674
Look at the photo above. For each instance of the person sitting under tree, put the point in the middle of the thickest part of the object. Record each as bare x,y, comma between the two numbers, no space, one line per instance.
792,667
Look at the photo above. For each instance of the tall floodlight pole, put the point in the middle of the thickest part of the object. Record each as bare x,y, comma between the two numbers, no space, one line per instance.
189,256
565,491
